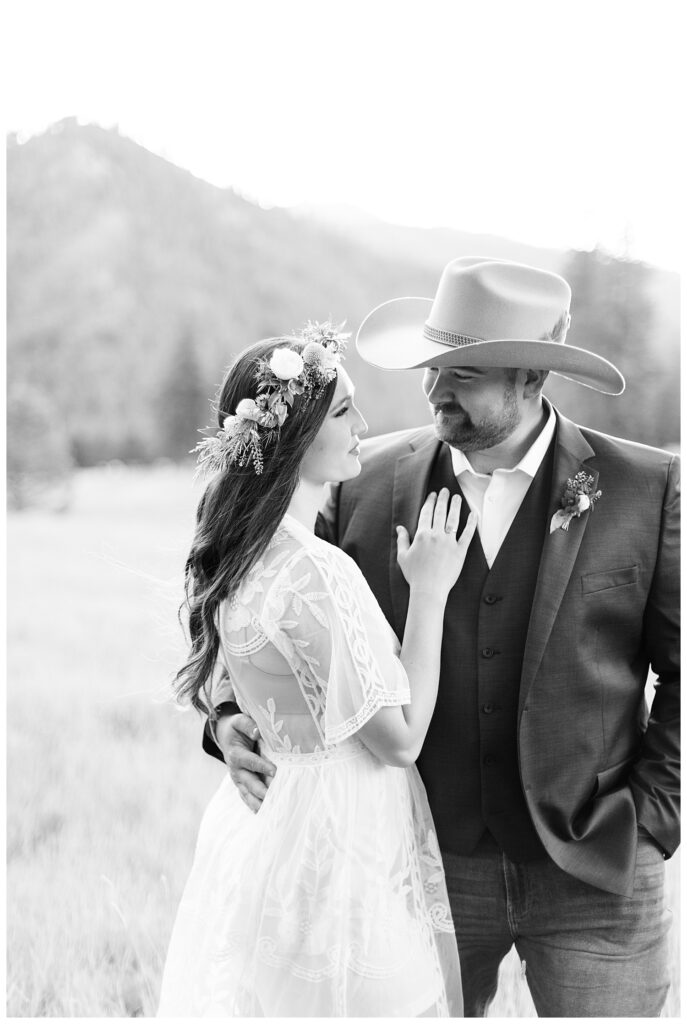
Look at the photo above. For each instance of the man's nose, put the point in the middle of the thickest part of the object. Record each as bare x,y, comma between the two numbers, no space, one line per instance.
439,386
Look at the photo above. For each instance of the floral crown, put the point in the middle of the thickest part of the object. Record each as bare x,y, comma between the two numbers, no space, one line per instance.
243,437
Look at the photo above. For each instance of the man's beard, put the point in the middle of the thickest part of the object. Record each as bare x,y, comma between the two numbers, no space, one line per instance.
460,431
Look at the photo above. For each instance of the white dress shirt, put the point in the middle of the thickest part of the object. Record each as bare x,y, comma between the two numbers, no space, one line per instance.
496,498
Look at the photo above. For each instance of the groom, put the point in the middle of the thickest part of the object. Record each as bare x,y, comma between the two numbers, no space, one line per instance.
555,794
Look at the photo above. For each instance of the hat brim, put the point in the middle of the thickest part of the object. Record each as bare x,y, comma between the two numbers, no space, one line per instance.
391,337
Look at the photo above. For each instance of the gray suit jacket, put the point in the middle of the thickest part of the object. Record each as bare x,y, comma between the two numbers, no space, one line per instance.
593,763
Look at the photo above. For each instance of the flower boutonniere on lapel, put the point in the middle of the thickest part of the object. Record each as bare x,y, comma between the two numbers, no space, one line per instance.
577,499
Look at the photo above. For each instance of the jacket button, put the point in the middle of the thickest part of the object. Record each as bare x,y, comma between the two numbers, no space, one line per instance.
487,652
487,708
489,759
491,598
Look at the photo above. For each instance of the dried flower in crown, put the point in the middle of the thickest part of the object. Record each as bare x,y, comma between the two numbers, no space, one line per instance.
256,422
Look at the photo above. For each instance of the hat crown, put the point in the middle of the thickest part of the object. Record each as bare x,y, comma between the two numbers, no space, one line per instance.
488,313
489,299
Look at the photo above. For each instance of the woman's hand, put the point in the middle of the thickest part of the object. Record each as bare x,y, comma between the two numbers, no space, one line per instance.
434,560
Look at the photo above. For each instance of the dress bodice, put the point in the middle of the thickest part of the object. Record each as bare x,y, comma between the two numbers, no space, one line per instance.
307,651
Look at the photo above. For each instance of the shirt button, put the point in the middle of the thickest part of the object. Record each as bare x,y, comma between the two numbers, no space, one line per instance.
489,759
491,598
487,708
487,652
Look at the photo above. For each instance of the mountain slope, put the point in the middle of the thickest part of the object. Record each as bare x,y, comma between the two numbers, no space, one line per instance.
433,247
114,254
132,284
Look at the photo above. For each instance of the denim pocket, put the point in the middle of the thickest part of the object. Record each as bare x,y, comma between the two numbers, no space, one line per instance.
645,838
650,872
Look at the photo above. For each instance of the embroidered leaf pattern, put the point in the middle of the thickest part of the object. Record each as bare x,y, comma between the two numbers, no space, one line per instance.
311,659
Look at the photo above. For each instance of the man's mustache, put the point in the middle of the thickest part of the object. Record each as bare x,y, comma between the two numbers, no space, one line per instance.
448,409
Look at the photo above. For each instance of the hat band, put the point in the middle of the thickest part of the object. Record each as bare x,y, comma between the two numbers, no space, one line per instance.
449,338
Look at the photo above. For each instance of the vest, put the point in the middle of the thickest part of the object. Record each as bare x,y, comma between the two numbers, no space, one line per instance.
469,761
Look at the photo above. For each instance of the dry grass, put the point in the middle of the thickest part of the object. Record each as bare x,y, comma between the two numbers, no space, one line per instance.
106,780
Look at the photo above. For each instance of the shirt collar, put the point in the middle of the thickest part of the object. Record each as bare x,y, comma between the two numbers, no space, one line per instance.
531,460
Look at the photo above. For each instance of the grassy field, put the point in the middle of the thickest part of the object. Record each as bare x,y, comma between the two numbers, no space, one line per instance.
106,778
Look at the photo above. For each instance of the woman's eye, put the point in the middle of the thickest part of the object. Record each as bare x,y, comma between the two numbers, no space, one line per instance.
341,412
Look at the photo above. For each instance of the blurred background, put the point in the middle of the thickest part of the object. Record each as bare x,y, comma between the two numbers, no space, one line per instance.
183,179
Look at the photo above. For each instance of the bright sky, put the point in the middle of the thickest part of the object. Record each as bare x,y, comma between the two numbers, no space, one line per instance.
554,123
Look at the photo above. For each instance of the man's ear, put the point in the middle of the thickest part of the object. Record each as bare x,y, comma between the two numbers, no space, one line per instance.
534,382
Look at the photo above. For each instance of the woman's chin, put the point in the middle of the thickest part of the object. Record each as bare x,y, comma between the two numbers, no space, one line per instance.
348,472
355,467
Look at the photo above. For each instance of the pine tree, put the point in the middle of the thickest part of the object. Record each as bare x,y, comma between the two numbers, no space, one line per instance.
614,315
183,403
38,454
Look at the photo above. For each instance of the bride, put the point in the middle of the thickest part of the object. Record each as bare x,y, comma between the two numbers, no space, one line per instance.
331,900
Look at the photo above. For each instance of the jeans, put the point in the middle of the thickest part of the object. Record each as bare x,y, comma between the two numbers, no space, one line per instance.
587,953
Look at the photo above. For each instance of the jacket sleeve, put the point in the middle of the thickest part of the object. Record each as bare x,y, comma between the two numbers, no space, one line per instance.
327,525
219,691
655,778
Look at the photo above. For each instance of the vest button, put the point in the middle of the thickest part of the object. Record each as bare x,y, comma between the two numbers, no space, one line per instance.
488,708
491,598
487,652
489,759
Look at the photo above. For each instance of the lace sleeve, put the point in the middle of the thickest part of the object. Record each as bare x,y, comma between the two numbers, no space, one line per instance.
322,616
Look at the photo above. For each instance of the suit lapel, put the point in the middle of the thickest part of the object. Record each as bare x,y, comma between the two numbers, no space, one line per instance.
560,548
411,480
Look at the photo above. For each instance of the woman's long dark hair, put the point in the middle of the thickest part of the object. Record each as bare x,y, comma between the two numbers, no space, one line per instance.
239,512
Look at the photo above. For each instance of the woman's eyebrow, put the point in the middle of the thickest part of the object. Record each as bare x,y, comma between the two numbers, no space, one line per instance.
345,398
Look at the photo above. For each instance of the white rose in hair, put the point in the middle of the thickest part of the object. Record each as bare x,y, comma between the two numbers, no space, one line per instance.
248,410
286,364
229,424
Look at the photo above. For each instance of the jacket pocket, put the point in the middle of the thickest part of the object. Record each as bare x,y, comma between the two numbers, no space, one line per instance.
610,777
593,582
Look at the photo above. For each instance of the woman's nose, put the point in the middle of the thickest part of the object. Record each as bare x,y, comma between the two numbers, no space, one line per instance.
360,423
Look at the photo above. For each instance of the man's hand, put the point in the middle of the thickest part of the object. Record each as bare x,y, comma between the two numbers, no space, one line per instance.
251,774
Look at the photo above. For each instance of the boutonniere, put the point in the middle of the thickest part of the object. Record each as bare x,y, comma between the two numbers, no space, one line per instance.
577,498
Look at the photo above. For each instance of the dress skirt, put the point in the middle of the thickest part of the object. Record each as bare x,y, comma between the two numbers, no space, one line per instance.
329,902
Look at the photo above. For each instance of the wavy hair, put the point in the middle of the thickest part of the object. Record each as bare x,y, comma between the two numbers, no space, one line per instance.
238,514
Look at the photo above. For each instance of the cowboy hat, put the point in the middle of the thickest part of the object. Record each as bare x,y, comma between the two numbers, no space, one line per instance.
486,312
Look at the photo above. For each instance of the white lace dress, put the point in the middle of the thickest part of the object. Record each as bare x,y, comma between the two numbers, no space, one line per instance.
331,900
